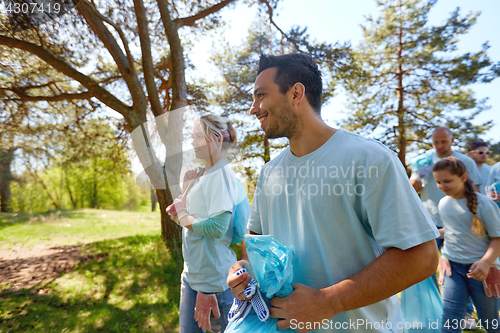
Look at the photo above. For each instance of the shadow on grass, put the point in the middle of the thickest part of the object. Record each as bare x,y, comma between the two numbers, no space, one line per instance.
10,219
131,284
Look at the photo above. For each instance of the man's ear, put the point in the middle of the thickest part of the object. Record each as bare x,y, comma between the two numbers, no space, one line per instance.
298,93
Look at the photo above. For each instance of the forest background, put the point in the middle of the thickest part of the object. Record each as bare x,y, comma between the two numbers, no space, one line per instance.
73,89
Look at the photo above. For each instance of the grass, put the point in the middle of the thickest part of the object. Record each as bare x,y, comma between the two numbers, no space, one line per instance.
129,284
74,227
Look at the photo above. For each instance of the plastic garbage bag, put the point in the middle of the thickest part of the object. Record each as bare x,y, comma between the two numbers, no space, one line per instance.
422,304
495,187
420,161
421,164
272,267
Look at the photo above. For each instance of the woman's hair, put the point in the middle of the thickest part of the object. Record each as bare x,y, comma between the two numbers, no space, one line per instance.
457,167
216,127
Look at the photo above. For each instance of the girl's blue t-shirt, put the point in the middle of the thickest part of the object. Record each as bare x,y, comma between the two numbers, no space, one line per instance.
461,245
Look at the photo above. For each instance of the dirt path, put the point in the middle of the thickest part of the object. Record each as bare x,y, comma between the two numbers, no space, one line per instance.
26,267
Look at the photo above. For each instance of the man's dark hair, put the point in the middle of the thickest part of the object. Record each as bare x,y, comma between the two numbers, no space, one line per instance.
476,144
293,68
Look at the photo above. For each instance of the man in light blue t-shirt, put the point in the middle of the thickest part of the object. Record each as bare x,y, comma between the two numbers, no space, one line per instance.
494,177
422,178
478,151
359,230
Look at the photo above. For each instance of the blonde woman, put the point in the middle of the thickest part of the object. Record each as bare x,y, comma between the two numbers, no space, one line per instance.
206,212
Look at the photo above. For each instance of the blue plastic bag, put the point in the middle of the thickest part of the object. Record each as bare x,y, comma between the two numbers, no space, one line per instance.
422,303
272,268
495,187
420,161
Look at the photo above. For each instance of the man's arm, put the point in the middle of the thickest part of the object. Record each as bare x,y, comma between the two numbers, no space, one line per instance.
391,272
417,185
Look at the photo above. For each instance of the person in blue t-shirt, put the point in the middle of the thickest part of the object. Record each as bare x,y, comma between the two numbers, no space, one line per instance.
210,198
478,151
471,248
421,173
343,202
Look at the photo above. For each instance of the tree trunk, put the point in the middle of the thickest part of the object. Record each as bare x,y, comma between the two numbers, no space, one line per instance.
401,111
267,150
154,200
74,200
6,158
94,186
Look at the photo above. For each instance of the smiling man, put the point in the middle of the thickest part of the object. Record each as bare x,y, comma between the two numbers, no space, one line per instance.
359,231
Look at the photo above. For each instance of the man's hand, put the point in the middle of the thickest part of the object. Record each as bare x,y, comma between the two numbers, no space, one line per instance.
240,282
444,266
492,283
303,305
479,270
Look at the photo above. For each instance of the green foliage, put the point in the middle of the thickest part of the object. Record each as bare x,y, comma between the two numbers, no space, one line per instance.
407,77
86,164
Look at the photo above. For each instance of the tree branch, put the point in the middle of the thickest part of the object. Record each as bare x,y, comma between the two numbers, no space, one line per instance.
130,58
147,59
130,77
290,39
191,20
100,93
61,97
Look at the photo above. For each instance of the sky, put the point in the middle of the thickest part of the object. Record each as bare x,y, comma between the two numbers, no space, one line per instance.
339,20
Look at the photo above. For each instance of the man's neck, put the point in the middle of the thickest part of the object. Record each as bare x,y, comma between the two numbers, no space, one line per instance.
448,154
312,134
479,164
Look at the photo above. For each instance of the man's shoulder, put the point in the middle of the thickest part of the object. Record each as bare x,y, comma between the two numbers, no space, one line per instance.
469,162
485,167
362,145
462,157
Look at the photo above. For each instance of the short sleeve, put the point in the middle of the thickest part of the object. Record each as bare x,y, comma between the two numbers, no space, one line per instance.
217,192
392,208
254,221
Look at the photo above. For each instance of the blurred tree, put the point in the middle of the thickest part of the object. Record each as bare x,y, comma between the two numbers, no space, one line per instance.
495,153
408,78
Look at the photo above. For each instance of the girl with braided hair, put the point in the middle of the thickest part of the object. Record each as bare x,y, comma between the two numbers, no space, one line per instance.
472,245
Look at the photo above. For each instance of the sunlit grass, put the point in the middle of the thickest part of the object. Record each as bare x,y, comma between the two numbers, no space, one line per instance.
74,227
